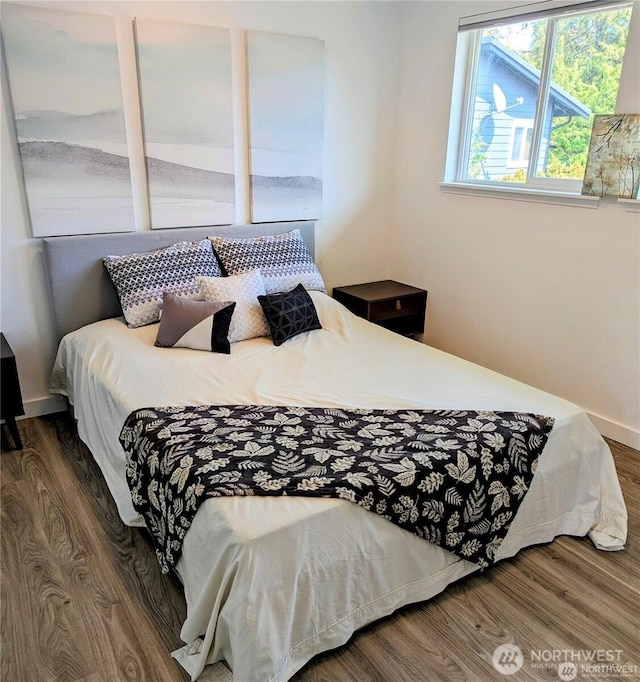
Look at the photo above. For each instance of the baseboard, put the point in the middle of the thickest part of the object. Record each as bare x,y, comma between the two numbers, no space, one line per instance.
38,407
618,432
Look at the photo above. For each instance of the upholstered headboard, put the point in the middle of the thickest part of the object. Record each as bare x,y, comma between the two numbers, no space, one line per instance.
79,285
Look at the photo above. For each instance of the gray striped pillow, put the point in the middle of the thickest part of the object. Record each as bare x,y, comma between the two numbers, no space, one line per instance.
283,260
141,279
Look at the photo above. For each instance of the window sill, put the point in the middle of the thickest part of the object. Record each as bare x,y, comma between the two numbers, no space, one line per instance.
522,194
632,205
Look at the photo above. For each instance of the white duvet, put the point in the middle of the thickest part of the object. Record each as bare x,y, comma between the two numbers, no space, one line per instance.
271,582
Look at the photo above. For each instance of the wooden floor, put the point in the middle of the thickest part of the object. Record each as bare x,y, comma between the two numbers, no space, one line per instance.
83,597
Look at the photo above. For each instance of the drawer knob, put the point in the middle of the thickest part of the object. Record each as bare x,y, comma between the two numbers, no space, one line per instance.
398,304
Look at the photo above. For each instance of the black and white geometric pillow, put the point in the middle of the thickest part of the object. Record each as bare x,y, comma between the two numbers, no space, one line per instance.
141,279
283,259
289,314
201,325
248,319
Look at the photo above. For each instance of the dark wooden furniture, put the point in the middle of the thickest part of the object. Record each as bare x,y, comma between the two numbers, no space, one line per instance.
396,306
11,399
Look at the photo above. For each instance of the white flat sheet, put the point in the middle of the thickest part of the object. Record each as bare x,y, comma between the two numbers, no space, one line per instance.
270,582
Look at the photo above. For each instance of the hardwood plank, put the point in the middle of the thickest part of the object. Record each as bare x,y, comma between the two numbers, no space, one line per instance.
83,598
85,616
161,594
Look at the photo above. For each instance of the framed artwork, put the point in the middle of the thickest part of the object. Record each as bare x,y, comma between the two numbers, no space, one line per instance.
184,76
613,162
67,99
286,126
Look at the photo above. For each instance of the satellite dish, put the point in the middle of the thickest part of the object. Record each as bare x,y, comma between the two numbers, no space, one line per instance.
499,99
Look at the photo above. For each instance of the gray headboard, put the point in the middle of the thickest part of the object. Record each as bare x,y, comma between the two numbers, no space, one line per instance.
79,285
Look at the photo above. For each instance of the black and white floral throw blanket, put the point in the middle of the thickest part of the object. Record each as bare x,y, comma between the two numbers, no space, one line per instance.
454,478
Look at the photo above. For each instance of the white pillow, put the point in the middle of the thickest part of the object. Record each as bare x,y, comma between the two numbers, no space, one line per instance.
248,319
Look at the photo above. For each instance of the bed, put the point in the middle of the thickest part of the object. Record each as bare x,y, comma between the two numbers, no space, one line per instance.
271,581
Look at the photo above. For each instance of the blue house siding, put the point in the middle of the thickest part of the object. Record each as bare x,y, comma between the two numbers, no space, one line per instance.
494,130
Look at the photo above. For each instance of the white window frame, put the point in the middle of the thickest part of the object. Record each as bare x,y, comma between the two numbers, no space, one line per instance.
522,161
467,57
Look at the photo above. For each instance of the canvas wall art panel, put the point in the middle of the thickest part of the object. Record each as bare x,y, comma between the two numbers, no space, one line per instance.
187,119
67,100
613,161
286,126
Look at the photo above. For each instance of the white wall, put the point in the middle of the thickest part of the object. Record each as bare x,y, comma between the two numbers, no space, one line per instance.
547,294
362,65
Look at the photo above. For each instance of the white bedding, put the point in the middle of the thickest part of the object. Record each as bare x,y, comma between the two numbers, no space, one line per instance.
270,582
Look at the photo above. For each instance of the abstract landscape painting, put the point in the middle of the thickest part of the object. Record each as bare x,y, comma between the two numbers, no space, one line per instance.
67,99
286,126
186,99
613,162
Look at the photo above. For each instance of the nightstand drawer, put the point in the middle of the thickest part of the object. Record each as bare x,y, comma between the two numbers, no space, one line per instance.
396,307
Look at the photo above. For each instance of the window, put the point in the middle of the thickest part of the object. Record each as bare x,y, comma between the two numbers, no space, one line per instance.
533,83
520,143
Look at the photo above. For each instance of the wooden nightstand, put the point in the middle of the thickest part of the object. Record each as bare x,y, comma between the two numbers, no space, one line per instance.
11,398
398,307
